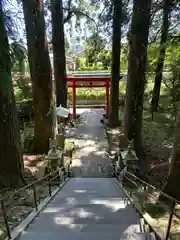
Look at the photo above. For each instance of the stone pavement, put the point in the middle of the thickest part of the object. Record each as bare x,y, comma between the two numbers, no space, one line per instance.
87,209
90,160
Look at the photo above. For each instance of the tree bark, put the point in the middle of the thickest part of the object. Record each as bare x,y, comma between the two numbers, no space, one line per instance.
11,162
113,118
59,58
173,181
41,74
162,53
136,72
22,67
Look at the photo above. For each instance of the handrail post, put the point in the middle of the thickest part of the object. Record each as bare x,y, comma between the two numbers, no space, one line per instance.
170,220
5,219
59,178
49,184
68,171
122,177
35,197
144,197
64,174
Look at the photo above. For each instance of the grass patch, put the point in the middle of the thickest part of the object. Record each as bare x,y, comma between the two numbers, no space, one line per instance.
160,129
157,140
95,93
155,210
156,214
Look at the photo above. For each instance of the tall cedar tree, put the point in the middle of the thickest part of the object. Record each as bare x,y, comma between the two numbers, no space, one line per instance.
173,181
162,53
41,74
11,163
113,117
136,72
59,57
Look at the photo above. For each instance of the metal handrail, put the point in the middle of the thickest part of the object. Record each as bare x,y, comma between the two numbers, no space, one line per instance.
151,186
29,185
49,177
170,210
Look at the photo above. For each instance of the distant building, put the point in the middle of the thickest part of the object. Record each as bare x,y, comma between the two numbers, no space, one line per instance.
76,44
70,61
76,48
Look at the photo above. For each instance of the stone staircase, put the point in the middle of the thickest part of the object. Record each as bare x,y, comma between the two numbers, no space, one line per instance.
87,209
90,206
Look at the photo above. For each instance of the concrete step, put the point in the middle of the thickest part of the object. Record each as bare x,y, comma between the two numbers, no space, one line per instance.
82,236
88,228
88,218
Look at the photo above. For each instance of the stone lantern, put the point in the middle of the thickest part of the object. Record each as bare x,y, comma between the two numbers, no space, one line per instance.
62,115
129,158
60,138
114,158
55,158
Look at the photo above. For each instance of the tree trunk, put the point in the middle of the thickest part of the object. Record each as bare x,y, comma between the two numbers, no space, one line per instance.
11,162
41,74
162,53
59,57
136,72
173,181
22,67
113,118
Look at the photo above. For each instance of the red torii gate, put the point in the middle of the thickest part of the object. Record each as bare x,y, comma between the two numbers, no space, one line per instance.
88,82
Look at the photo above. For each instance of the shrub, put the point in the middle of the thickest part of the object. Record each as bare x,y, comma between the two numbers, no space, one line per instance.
22,87
91,68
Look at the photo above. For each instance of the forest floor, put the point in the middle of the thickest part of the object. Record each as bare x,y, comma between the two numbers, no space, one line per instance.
157,136
20,205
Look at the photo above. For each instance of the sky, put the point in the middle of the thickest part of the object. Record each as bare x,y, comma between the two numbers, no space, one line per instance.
16,10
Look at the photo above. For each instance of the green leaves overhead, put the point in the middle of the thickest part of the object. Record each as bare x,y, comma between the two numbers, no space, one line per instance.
18,52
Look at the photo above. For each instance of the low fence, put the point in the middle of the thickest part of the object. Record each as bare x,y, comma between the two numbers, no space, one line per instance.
51,180
86,103
166,210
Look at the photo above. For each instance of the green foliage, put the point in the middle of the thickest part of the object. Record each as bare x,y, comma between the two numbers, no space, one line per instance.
153,51
28,139
104,57
91,94
94,45
155,210
106,16
28,100
67,44
122,88
91,68
18,54
69,144
172,78
170,87
161,129
78,62
22,88
124,57
96,93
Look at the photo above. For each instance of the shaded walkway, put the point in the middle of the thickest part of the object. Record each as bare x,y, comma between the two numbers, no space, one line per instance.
87,209
90,160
